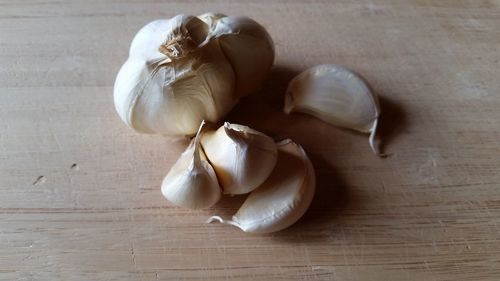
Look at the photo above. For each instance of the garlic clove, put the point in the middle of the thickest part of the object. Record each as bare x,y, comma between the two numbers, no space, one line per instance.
191,182
131,79
336,95
248,47
242,157
282,199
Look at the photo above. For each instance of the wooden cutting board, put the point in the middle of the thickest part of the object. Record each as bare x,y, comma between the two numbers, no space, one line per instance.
80,192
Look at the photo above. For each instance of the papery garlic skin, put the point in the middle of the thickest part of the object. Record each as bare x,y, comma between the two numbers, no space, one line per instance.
242,157
186,69
283,198
336,95
191,182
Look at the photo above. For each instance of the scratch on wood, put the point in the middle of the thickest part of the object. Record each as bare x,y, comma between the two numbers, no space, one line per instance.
39,180
132,252
74,167
467,245
428,268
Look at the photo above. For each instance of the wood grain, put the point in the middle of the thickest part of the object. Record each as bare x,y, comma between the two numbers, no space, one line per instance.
79,191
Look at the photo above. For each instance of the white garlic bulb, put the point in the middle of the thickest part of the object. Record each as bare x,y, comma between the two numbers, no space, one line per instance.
283,198
242,157
337,96
191,182
186,69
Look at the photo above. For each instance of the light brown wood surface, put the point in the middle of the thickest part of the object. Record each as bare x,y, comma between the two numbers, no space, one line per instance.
80,192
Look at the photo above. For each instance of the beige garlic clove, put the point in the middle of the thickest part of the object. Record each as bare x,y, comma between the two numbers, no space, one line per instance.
336,95
191,182
235,35
242,157
183,70
283,198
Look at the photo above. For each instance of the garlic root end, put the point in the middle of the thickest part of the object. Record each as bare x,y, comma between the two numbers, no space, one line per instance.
214,218
221,220
371,140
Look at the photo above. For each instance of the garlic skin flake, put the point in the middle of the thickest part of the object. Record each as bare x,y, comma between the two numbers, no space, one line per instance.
191,182
336,95
186,69
282,199
242,157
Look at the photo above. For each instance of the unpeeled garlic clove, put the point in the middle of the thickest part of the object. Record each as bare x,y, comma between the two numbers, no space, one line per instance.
235,35
282,199
336,95
186,69
242,157
191,182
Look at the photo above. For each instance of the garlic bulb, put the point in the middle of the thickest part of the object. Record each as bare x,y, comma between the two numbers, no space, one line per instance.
242,157
337,96
186,69
282,199
191,182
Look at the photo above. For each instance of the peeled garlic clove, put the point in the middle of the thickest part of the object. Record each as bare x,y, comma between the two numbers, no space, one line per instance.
235,35
283,198
337,96
191,182
242,157
180,72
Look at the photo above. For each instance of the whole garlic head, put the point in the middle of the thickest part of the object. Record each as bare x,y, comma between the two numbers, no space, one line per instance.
186,69
242,157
